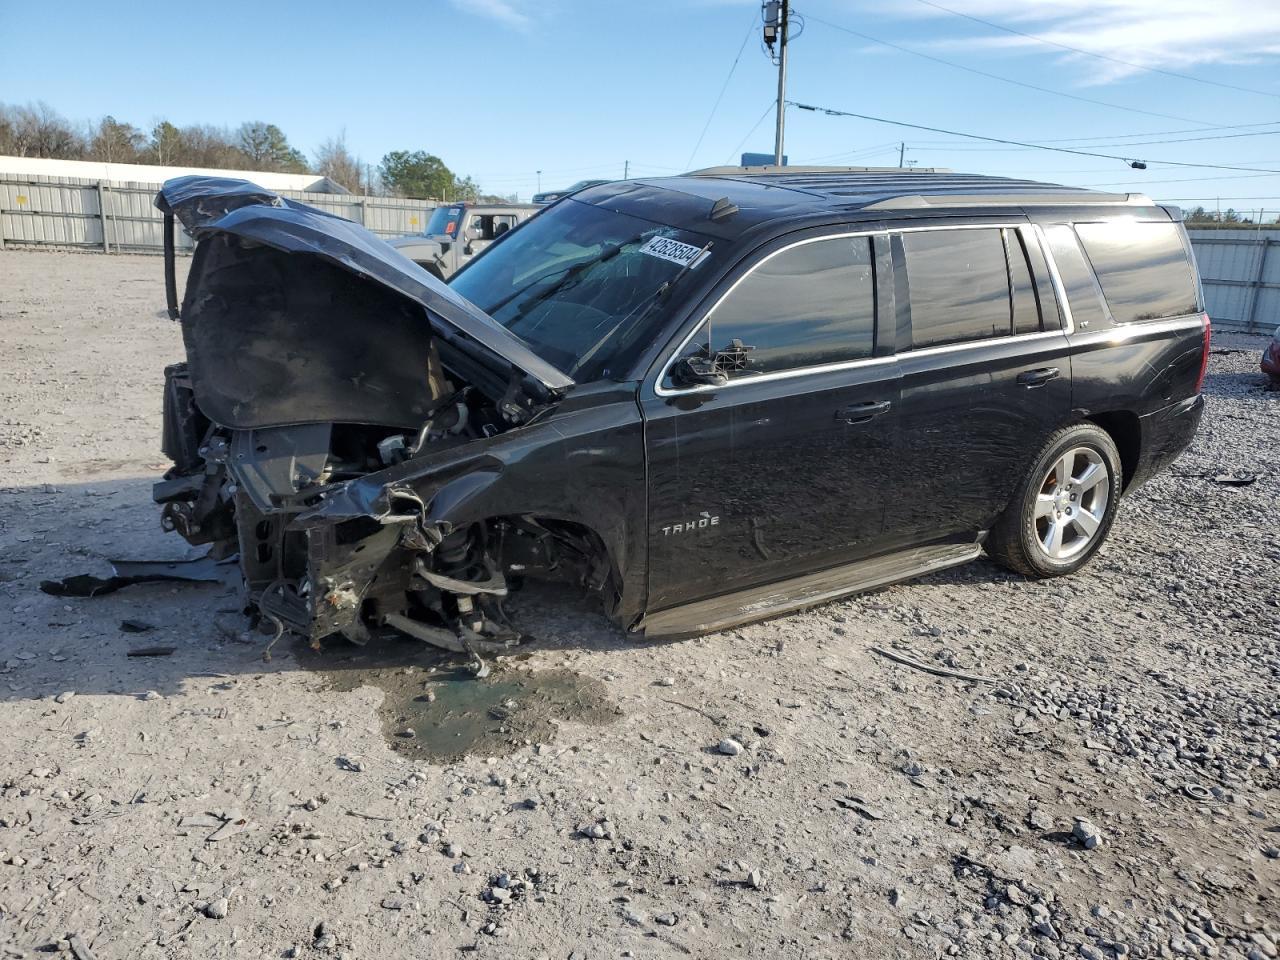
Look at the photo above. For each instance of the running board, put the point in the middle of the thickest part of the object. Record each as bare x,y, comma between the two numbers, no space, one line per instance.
799,593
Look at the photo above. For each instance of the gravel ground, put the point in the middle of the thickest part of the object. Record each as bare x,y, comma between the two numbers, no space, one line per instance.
1114,792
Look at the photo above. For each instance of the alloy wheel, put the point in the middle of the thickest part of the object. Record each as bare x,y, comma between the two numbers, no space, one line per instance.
1072,503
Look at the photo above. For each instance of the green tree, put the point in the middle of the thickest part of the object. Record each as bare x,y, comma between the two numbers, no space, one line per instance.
465,189
267,148
115,142
163,146
417,174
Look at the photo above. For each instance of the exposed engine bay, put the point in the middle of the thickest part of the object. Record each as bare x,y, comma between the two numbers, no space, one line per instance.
330,425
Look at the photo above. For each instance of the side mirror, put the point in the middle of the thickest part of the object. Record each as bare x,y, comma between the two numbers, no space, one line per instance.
698,371
474,233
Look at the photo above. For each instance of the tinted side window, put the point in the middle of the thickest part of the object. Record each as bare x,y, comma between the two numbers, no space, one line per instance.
810,304
1026,299
1077,279
959,286
1143,268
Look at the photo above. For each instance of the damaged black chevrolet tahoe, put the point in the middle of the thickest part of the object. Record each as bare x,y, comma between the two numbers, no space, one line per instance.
710,398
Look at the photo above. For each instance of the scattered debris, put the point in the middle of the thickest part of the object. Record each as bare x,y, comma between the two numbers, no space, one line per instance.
729,747
217,909
858,806
152,651
79,949
1235,479
937,671
136,626
126,573
229,828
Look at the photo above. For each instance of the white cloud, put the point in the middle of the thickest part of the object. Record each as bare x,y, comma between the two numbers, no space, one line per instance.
503,11
1165,34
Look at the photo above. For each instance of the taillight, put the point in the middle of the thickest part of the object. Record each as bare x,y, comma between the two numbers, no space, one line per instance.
1204,357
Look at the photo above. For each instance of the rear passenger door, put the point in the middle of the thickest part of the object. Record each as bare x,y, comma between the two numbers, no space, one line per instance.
781,470
986,375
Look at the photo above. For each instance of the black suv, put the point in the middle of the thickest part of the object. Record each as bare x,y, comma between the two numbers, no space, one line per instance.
711,398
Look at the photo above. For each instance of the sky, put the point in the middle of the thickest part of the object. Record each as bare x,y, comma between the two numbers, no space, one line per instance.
503,89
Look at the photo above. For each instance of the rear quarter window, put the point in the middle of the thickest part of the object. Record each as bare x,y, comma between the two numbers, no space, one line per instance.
1143,268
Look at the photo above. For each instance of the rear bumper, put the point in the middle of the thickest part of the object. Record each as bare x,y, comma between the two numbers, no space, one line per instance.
1165,434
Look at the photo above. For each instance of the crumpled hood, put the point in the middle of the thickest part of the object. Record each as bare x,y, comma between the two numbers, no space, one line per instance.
208,206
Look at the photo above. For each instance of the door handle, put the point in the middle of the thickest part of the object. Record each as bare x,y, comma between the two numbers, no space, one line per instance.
862,412
1038,378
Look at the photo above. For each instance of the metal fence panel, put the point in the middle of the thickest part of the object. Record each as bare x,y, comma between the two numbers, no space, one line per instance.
1240,270
120,217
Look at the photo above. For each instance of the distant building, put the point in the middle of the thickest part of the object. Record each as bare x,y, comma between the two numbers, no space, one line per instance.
146,173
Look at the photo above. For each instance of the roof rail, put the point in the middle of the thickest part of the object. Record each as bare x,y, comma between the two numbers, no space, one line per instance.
916,201
768,169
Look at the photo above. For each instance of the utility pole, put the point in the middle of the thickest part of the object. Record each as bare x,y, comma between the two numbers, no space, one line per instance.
539,181
902,152
782,85
777,16
626,169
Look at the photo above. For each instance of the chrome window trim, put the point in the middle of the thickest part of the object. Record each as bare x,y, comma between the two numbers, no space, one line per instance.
1059,288
661,391
1136,328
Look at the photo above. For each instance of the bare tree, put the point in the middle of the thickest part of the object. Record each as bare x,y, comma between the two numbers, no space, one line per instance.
202,145
335,161
37,130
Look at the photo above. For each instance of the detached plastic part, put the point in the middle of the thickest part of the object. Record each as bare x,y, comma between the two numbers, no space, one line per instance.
128,572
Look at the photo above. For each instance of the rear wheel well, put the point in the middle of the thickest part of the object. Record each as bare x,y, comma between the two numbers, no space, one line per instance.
1126,432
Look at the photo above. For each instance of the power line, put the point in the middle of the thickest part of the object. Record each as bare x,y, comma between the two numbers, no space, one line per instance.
1021,143
738,148
1100,56
1002,79
751,28
1128,143
1115,140
1130,183
865,151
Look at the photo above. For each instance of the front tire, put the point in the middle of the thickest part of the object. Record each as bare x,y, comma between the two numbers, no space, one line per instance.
1063,508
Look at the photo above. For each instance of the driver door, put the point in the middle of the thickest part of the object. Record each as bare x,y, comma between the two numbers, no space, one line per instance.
784,467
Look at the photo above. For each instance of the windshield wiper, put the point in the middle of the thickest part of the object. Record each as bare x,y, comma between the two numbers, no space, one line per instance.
570,272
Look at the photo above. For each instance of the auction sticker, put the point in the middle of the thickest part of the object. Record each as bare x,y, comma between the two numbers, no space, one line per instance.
664,248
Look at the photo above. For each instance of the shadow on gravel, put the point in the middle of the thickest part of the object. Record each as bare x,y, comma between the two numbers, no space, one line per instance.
161,636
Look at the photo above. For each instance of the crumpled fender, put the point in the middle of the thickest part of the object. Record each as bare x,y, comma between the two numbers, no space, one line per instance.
585,468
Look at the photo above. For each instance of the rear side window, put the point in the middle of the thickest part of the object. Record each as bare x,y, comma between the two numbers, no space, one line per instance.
810,304
1143,268
959,286
1077,279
